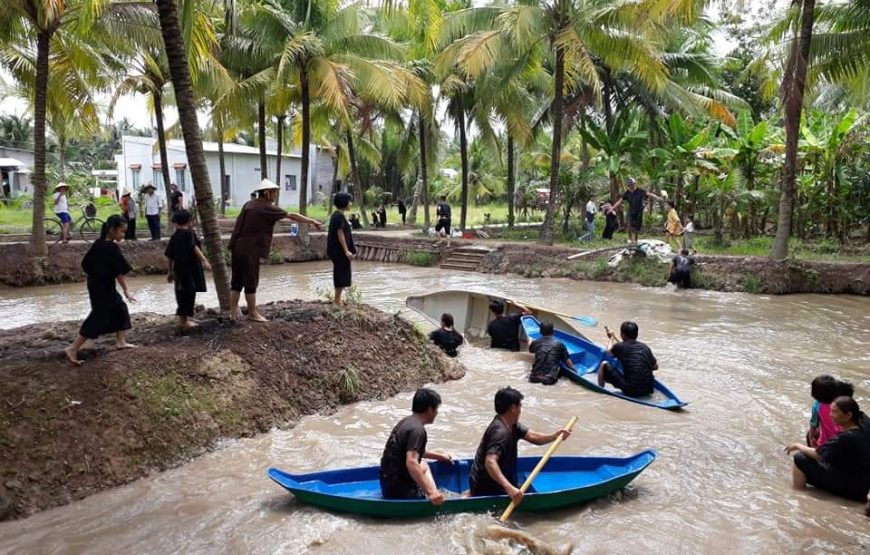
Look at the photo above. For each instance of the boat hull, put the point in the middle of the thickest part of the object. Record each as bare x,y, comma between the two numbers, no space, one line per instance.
565,481
470,310
587,357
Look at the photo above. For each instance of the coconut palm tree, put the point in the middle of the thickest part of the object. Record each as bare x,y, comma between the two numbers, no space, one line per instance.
179,70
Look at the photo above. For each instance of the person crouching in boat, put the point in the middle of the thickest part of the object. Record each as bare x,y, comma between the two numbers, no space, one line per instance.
842,465
638,363
550,353
494,471
404,474
447,338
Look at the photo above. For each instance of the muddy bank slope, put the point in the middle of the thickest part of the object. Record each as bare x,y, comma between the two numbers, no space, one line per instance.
717,273
67,432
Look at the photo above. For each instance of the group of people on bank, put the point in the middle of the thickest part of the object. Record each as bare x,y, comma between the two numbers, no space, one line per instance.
405,473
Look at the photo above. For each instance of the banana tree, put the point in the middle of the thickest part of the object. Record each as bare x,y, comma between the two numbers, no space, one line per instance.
677,155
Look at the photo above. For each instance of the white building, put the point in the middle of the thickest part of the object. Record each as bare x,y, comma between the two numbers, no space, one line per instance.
139,165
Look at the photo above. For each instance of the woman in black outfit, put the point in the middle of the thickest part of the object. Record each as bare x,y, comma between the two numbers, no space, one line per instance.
842,465
104,264
339,245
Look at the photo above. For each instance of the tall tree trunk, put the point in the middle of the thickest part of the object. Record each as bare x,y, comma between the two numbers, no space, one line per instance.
306,142
547,231
463,155
164,158
357,186
278,179
223,169
61,149
678,193
37,245
261,139
511,180
177,56
793,97
424,171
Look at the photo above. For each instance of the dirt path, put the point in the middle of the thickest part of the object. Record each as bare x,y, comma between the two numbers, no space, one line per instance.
66,432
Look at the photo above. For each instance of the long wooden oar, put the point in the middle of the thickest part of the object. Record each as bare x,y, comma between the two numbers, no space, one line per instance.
588,321
537,470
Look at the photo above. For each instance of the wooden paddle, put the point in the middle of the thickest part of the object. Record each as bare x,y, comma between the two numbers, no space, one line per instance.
537,470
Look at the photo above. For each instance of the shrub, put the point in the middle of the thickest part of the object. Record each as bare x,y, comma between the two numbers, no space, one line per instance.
421,258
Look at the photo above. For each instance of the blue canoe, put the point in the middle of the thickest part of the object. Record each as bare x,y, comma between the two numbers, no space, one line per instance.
563,482
587,357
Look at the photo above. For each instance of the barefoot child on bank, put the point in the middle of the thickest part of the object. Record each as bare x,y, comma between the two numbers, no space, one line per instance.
339,245
186,264
104,264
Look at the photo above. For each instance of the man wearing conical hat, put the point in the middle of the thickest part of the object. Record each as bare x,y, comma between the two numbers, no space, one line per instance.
251,242
61,210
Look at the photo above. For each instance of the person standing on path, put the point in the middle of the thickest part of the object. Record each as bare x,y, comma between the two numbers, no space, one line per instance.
610,221
187,265
673,227
636,199
591,210
403,210
442,212
339,245
128,203
251,242
104,264
152,210
61,210
176,201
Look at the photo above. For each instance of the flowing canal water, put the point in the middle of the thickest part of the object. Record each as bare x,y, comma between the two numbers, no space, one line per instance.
721,482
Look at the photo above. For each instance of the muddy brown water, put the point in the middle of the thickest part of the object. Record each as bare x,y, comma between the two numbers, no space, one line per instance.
721,482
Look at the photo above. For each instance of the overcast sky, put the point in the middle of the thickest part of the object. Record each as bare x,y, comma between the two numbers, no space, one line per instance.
135,108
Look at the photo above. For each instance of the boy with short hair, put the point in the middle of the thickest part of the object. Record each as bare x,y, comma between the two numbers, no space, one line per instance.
186,264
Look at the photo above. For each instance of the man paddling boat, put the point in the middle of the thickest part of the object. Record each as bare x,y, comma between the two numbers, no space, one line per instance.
494,471
404,474
638,363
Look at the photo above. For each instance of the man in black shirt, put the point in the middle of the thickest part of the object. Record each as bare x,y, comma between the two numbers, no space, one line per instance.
446,337
339,245
636,199
638,364
494,471
404,474
681,270
442,211
549,354
504,330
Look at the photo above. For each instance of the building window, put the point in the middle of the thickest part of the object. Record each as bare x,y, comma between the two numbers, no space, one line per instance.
158,177
289,182
135,173
180,178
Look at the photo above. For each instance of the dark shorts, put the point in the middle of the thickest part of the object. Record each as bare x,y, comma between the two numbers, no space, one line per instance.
635,222
830,480
64,217
682,279
544,379
246,273
341,274
615,378
394,489
443,223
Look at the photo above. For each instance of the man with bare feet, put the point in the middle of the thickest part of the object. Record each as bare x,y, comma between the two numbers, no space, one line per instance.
104,264
404,474
251,242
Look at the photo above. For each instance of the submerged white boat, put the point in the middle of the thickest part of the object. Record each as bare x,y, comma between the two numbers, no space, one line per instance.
471,315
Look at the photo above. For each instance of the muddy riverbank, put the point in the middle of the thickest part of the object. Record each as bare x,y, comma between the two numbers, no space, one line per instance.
716,273
70,432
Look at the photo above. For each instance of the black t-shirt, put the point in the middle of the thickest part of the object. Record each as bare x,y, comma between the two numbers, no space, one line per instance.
443,210
402,208
338,224
683,263
499,440
505,332
175,203
638,363
186,265
408,435
549,353
449,341
848,454
635,200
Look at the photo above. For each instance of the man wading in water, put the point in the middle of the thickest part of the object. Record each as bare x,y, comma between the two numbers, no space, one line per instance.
504,330
404,474
549,354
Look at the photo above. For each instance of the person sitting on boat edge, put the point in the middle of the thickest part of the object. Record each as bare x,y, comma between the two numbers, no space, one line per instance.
404,474
494,470
549,354
638,363
842,465
447,338
504,329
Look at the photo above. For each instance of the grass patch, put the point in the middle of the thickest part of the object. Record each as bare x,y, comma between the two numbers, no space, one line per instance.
20,220
645,271
751,283
275,257
421,258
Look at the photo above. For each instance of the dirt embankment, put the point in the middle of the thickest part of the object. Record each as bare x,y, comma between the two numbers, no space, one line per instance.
718,273
66,432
